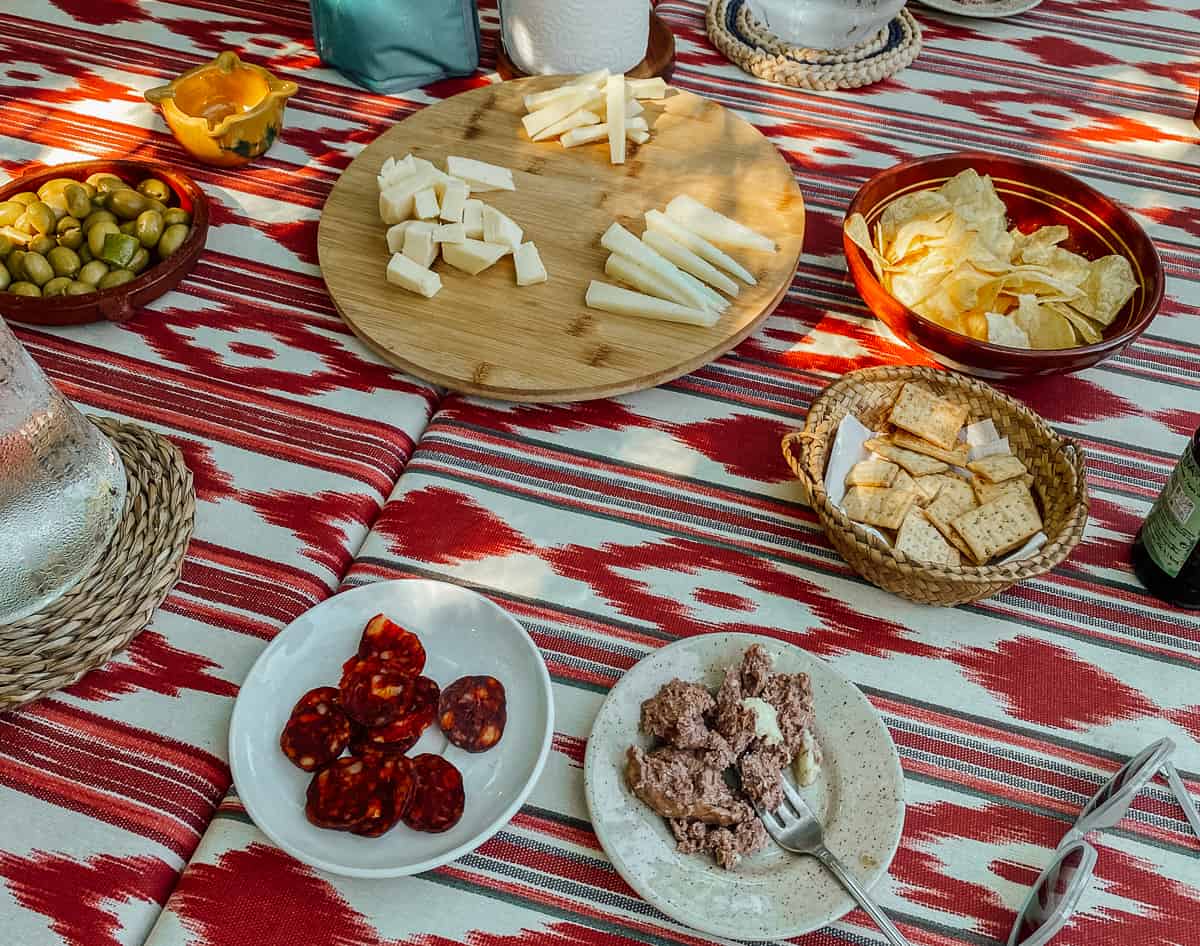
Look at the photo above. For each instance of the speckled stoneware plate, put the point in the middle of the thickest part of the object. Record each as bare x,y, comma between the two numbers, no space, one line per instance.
983,9
859,797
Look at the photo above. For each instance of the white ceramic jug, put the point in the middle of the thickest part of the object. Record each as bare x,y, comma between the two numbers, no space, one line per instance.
62,487
825,24
569,36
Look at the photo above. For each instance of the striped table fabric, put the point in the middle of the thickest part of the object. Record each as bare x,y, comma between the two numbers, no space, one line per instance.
608,528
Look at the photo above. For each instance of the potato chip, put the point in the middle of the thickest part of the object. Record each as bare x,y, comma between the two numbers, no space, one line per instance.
955,457
878,506
919,411
1088,331
1004,331
994,528
1109,285
860,234
1045,328
919,205
919,540
998,467
872,473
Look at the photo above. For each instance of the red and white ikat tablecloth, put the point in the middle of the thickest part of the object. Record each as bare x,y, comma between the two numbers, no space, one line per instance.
608,528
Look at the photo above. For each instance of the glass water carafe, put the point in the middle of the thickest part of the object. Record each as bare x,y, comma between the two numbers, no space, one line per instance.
62,487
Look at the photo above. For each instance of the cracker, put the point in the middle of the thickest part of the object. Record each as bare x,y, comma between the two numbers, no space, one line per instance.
1006,523
998,468
876,506
904,480
956,457
919,411
915,463
929,486
919,540
872,473
953,499
985,492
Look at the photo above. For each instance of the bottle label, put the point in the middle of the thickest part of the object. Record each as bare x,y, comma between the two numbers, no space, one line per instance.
1172,529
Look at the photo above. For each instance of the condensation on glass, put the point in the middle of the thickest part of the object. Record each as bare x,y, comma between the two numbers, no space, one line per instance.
62,487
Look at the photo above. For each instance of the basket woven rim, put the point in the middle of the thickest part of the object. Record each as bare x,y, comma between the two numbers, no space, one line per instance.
1057,547
115,601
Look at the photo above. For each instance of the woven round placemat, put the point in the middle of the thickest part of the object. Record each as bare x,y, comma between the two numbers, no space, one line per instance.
749,44
114,602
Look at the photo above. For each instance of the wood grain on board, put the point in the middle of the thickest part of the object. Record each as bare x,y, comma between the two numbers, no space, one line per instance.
484,334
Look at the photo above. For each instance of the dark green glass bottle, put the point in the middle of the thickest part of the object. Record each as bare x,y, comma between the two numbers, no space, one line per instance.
1166,553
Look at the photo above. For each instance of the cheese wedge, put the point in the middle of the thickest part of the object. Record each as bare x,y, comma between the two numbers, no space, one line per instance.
499,229
472,256
609,298
406,274
420,246
615,100
654,88
589,133
689,262
480,175
452,195
449,233
425,204
619,240
657,220
632,273
528,262
574,120
553,113
716,227
473,218
589,80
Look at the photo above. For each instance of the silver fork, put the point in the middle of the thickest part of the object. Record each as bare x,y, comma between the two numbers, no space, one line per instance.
795,828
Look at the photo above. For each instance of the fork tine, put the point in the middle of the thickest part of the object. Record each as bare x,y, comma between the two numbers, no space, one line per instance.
799,805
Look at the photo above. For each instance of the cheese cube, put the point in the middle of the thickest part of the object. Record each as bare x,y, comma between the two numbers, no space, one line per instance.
615,99
425,204
653,88
420,247
480,175
473,218
397,202
394,171
449,233
453,197
499,229
395,234
406,274
472,256
528,261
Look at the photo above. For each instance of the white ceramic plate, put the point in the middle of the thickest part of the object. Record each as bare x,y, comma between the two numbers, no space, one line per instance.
859,797
463,633
988,10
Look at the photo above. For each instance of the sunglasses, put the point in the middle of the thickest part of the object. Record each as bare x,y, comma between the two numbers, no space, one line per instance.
1059,887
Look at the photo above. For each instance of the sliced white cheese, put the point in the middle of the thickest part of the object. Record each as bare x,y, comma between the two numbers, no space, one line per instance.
480,175
609,298
473,218
396,232
449,233
396,203
420,246
589,133
615,99
714,299
472,256
574,120
766,720
657,220
452,195
688,261
406,274
589,80
654,88
617,239
553,113
633,273
499,229
528,261
425,204
1005,331
431,169
640,137
716,227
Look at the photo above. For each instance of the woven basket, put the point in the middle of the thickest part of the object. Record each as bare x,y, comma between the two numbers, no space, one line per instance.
1056,463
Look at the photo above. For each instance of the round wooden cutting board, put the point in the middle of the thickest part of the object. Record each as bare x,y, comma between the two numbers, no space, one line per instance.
484,334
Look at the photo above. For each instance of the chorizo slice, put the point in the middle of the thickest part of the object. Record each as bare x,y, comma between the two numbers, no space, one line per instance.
400,735
473,712
350,791
394,801
316,731
374,693
438,798
385,640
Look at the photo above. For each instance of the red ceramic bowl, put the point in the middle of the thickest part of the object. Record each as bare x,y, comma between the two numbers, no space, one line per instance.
120,302
1036,195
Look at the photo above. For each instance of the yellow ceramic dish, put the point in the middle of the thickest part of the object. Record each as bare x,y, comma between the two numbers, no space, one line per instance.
225,112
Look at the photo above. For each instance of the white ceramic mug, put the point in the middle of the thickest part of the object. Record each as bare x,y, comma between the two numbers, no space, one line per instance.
569,36
825,24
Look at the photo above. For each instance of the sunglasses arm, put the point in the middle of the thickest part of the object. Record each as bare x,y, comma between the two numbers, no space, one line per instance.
1181,794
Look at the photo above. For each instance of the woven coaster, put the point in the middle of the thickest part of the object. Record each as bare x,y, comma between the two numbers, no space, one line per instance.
748,44
115,601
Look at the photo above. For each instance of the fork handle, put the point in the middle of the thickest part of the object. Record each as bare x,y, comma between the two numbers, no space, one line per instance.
859,893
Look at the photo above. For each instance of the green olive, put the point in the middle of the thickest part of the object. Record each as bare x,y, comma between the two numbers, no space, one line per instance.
172,239
25,289
42,243
71,239
5,277
37,268
41,217
108,183
96,235
128,227
25,198
84,251
54,186
149,227
118,277
69,223
93,272
98,201
97,216
64,261
87,189
174,215
14,264
152,204
6,245
78,288
153,187
22,223
56,286
139,261
56,201
93,180
79,204
126,204
10,210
